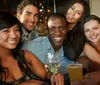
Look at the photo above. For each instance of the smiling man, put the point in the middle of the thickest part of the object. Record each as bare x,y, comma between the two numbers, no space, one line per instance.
56,26
27,13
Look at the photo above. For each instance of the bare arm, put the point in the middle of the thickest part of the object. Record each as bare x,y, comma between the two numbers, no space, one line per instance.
35,65
91,53
32,82
38,69
92,78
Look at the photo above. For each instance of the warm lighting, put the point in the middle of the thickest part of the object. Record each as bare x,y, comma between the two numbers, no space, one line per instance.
48,10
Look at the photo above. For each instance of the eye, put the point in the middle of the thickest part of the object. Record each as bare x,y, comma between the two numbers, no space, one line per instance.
36,15
87,30
95,28
78,13
5,30
62,27
17,29
52,28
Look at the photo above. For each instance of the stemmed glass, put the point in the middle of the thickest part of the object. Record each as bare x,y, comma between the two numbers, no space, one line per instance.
51,62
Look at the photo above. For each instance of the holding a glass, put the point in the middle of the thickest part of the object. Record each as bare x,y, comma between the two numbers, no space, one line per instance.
75,72
51,62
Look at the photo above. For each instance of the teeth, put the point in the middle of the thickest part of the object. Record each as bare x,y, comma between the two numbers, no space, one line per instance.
58,39
12,42
30,23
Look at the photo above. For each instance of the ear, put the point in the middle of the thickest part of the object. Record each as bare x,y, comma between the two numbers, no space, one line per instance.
46,27
18,16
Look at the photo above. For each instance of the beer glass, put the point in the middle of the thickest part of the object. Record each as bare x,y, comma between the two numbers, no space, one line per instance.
75,72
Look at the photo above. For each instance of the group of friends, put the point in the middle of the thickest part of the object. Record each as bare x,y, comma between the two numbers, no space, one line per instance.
74,36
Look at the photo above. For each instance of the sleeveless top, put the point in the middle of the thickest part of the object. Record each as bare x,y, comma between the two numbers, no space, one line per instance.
27,74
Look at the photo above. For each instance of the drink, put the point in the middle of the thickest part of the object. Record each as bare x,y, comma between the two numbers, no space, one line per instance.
52,67
75,72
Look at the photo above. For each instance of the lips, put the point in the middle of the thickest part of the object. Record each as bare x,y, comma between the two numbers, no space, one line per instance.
70,18
94,37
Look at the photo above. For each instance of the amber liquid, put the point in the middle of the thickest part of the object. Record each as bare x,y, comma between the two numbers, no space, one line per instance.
75,72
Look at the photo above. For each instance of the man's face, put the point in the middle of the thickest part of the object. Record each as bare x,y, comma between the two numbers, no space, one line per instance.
29,17
57,31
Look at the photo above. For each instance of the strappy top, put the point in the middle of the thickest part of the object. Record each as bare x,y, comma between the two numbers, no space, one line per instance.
27,74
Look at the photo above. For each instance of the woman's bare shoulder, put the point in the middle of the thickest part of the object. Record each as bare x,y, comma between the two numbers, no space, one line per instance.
29,56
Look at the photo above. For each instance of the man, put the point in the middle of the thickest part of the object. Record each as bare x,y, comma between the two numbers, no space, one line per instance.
56,26
27,13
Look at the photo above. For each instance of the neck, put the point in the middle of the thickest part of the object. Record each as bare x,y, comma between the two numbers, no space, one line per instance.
5,52
55,47
97,46
71,26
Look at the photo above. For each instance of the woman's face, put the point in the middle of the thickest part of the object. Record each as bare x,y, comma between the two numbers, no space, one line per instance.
92,31
9,37
74,13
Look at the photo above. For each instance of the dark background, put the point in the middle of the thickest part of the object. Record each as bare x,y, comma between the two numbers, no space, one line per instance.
11,5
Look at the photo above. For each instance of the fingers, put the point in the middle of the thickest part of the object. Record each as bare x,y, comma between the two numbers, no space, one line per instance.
57,79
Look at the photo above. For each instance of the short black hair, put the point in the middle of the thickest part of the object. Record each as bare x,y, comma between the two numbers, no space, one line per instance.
56,15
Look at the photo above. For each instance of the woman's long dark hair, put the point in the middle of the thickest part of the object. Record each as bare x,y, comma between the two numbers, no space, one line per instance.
86,8
7,20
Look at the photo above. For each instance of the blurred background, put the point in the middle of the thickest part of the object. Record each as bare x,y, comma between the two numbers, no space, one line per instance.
46,7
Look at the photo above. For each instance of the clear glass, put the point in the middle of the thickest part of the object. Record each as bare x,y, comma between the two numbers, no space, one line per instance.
51,62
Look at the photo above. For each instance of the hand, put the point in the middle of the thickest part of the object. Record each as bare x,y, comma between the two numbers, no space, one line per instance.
90,79
57,79
32,82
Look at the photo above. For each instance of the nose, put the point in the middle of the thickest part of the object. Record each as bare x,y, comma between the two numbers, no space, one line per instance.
32,18
57,31
92,33
73,12
12,34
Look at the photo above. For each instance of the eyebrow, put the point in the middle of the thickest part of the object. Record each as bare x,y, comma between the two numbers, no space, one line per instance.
77,10
28,12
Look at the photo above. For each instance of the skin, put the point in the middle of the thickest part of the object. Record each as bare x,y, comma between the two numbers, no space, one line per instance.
29,17
92,32
57,32
9,38
74,14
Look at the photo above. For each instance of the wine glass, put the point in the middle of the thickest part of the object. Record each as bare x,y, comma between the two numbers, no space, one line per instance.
51,62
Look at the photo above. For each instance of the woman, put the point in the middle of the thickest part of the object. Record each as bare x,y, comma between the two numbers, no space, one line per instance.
92,50
76,12
18,67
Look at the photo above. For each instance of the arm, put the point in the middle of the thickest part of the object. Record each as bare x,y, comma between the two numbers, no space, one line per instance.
72,49
35,65
92,78
32,82
38,69
91,53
